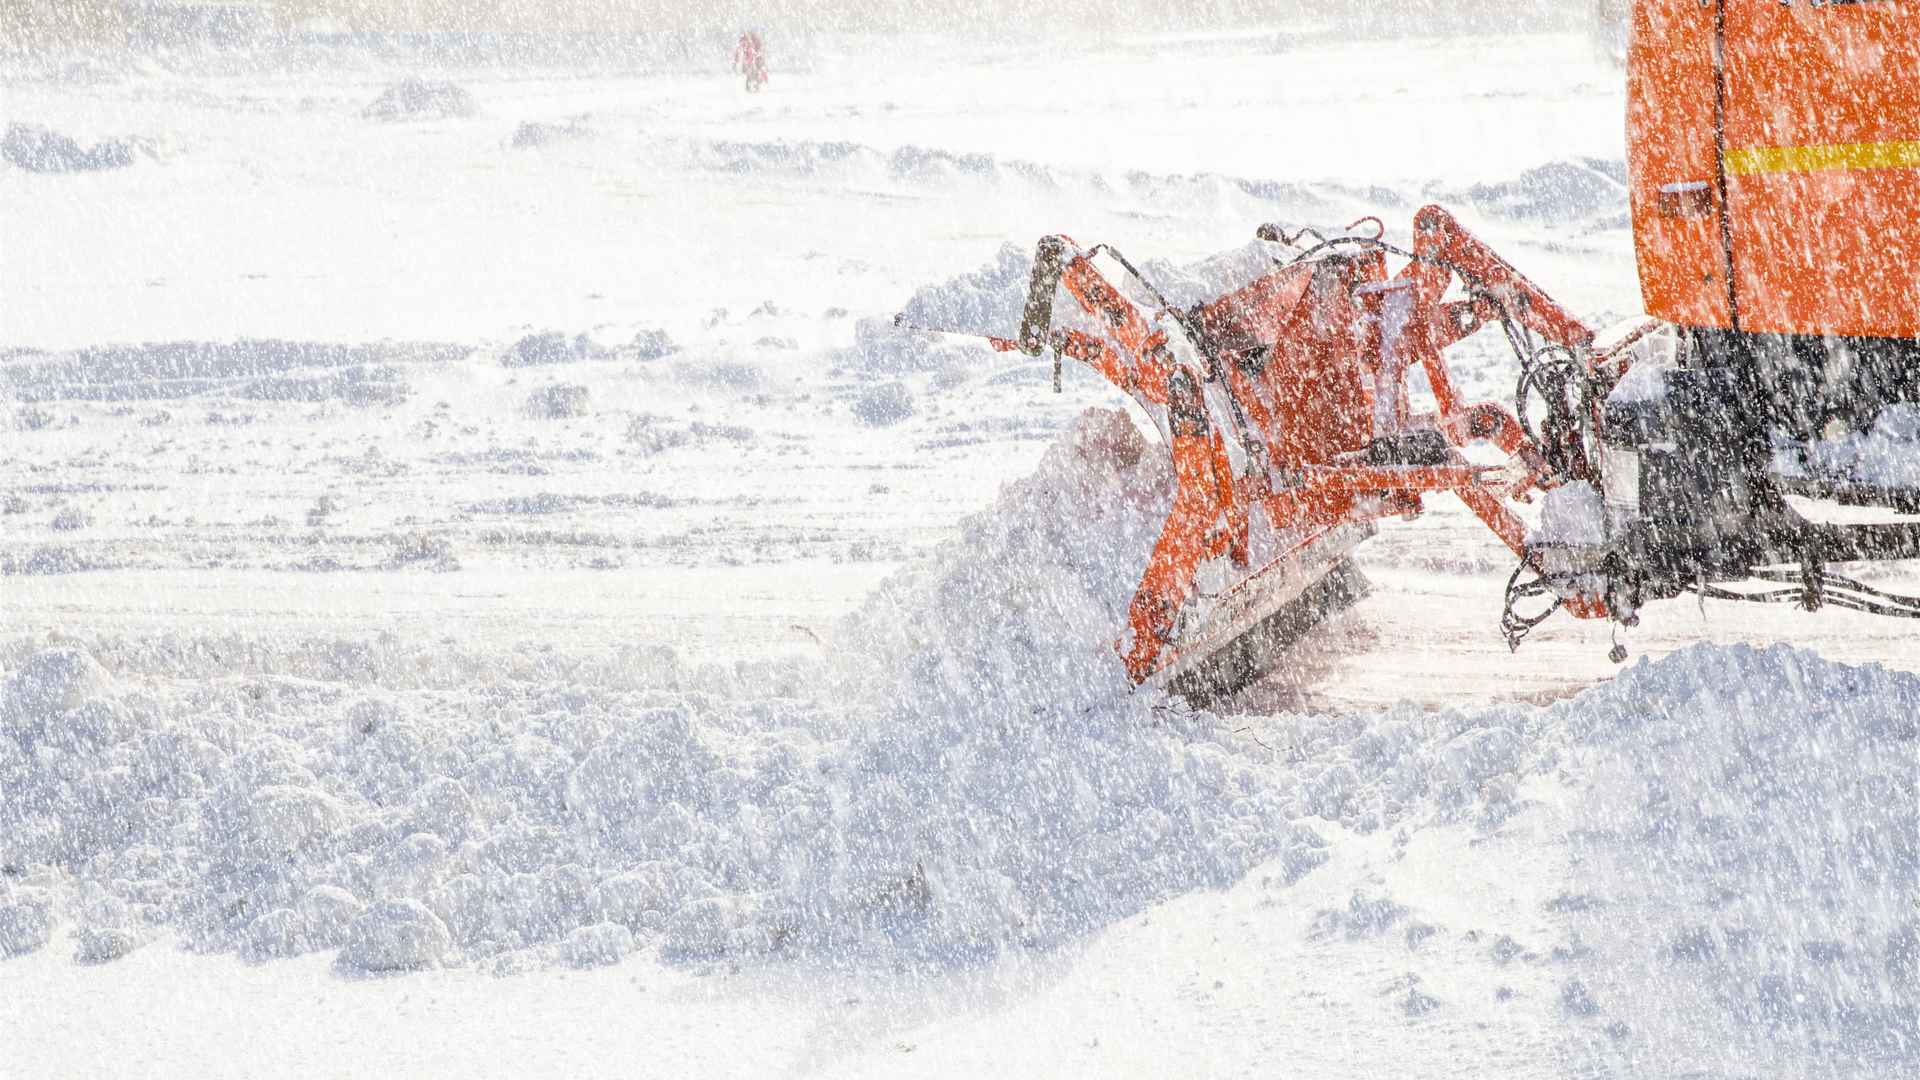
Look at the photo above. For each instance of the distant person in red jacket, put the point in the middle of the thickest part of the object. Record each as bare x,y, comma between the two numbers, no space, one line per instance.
750,56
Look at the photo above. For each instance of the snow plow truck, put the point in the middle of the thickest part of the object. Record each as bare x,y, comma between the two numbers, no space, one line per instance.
1774,164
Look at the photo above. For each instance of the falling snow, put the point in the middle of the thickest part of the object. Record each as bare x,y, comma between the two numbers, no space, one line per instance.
488,588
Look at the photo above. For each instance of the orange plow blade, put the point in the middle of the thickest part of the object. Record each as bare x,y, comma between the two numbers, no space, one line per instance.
1230,640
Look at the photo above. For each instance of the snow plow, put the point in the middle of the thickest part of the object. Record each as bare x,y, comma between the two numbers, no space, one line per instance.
1663,452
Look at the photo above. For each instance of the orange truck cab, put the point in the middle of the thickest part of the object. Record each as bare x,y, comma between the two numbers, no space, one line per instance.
1774,149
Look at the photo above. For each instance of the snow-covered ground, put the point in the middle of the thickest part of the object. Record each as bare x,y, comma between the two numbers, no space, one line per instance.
511,542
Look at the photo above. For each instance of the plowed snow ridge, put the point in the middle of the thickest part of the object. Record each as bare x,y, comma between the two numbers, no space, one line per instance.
966,773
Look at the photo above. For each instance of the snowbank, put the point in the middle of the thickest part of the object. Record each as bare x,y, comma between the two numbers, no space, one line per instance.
252,369
975,773
1014,788
968,774
991,300
857,161
882,405
859,164
26,920
558,401
532,134
422,99
43,150
549,347
651,433
1557,191
395,935
1749,840
988,302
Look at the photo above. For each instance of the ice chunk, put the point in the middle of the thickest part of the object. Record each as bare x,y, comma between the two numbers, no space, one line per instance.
54,680
443,807
286,818
597,945
395,935
103,944
327,913
280,932
26,920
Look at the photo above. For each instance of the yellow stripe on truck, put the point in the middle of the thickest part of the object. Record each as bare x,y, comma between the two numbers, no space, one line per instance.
1756,160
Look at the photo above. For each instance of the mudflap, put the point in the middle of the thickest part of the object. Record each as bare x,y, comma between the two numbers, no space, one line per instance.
1242,661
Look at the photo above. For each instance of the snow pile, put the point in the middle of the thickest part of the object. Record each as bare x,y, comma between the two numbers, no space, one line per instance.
991,301
537,133
1557,191
1187,284
422,99
860,166
652,345
54,682
396,935
550,347
43,150
856,162
975,773
1887,455
26,920
1014,785
558,401
883,405
798,158
652,433
104,944
1027,602
988,302
1749,839
252,369
51,559
923,163
970,773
